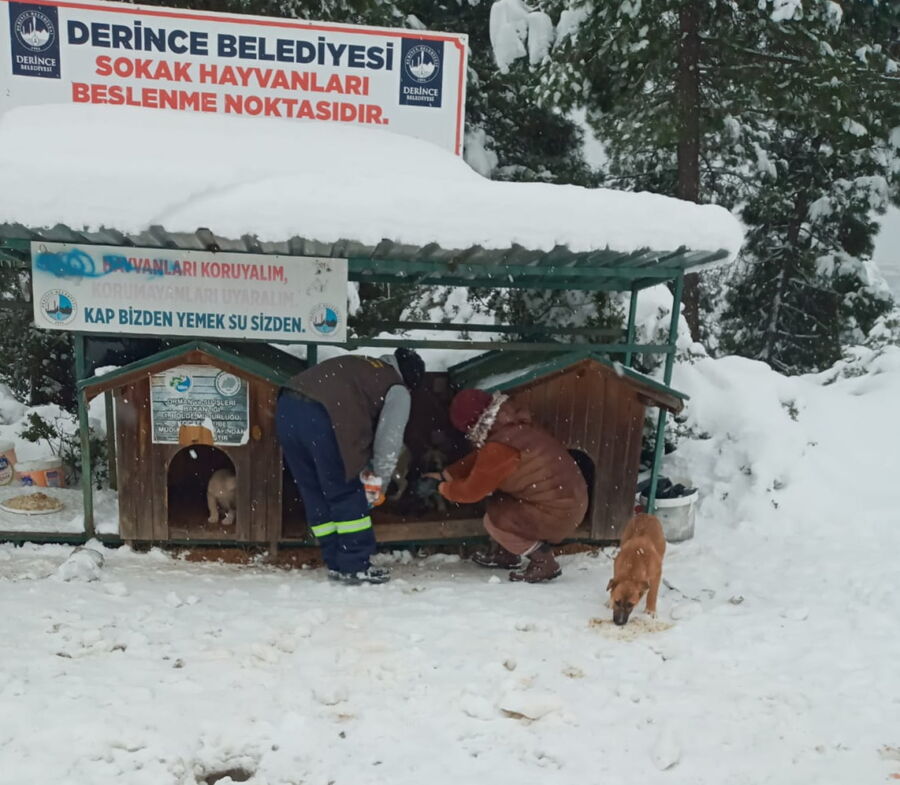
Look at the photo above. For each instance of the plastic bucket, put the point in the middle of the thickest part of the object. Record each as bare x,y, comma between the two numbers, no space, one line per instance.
7,463
676,516
43,474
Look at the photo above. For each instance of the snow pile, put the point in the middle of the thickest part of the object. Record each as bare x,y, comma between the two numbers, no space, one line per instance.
335,183
83,565
768,443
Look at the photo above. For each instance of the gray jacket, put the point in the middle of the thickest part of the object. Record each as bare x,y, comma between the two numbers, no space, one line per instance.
390,429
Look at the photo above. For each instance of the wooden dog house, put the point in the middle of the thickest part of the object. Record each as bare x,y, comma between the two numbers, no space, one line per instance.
184,412
594,407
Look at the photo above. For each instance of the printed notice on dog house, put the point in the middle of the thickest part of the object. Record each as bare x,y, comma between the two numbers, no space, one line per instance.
195,294
198,397
410,82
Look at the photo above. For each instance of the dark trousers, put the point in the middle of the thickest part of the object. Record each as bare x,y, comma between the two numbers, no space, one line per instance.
336,508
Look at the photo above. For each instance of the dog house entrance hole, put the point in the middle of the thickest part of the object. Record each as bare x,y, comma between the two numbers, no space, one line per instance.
189,472
588,472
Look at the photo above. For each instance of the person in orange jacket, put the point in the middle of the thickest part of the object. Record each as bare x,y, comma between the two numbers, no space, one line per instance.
536,493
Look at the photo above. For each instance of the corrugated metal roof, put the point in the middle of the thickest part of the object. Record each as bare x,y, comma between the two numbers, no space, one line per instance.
499,371
257,359
387,261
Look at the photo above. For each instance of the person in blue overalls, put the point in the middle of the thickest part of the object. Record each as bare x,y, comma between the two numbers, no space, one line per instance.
341,426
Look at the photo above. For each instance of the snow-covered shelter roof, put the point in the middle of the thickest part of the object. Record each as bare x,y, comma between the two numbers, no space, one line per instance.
116,175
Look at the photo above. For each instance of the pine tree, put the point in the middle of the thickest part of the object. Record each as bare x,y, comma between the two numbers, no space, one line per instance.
650,82
780,109
36,364
828,163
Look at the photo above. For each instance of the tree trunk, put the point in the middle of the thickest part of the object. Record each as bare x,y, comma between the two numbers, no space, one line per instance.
784,278
688,98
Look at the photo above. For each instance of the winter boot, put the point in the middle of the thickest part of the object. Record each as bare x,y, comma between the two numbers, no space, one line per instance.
542,566
368,575
496,556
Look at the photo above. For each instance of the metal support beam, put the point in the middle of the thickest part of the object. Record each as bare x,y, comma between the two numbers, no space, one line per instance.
659,446
87,490
558,348
312,354
541,283
501,329
629,335
499,274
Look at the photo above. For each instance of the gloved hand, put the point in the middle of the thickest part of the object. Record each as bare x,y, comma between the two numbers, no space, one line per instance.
372,485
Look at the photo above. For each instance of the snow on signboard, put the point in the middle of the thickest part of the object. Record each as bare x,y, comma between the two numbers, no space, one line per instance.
409,81
199,395
157,291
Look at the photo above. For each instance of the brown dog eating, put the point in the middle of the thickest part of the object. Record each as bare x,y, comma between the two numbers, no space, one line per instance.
638,567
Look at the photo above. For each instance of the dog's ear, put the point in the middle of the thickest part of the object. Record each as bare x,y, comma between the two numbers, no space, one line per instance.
611,585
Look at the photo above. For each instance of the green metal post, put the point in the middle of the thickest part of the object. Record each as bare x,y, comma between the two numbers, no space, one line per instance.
632,307
659,446
312,354
87,490
111,441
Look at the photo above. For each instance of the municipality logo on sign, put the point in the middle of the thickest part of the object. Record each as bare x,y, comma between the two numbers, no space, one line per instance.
227,384
34,40
325,319
58,307
35,30
421,72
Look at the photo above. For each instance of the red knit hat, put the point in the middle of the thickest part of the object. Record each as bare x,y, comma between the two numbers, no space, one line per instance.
467,407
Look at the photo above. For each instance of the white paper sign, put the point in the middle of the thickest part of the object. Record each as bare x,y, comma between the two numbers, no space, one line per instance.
199,395
160,292
411,82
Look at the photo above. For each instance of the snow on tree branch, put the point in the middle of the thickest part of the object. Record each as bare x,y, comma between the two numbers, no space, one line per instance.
517,31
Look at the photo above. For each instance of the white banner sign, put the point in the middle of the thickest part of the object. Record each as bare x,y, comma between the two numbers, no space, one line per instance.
157,291
409,81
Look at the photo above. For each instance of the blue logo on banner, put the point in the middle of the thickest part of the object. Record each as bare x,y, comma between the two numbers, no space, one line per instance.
34,40
421,72
58,307
181,383
325,319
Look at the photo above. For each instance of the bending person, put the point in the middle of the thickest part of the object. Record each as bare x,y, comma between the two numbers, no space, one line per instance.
341,425
536,493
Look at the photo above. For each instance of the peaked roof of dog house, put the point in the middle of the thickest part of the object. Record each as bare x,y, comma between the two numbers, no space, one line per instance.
254,359
500,371
396,207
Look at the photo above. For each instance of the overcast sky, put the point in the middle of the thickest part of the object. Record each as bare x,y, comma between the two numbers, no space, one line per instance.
887,249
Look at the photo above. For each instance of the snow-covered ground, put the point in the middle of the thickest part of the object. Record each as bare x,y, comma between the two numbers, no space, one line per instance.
780,664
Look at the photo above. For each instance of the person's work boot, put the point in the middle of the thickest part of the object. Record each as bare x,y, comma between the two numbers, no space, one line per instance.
496,556
368,575
542,566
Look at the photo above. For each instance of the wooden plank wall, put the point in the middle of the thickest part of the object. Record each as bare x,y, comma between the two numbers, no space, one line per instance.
143,469
600,415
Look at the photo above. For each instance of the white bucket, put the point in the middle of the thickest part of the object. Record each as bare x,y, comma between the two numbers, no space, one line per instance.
42,474
7,463
676,516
